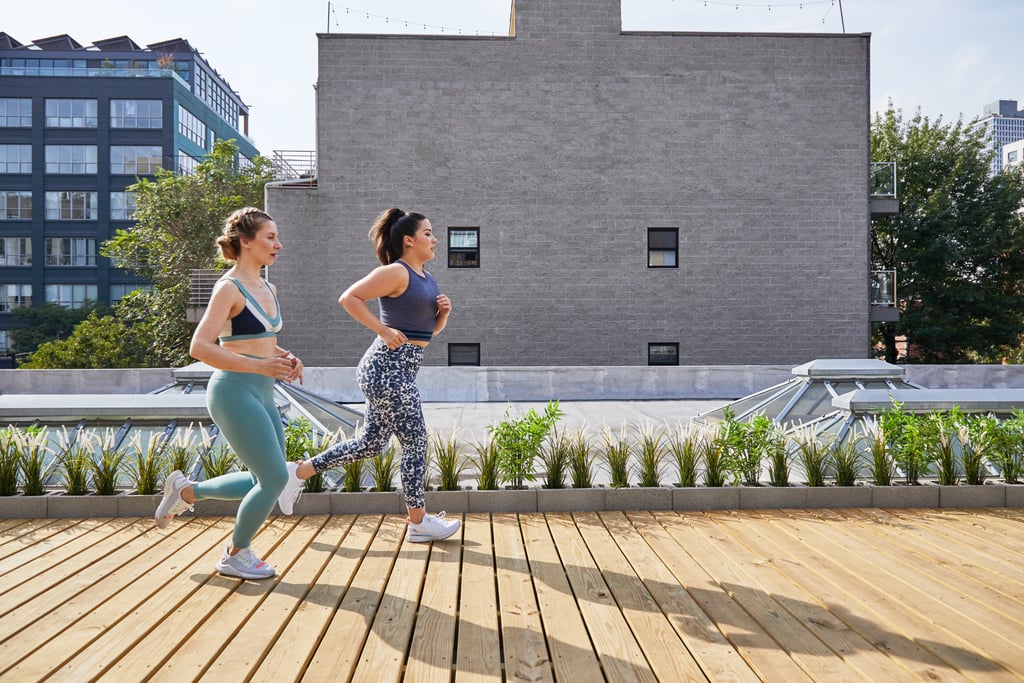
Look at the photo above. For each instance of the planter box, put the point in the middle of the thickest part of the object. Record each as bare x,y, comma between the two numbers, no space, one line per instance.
1014,495
81,506
570,500
23,507
772,497
367,503
210,507
449,501
706,498
503,501
904,496
638,499
311,504
838,497
972,496
138,506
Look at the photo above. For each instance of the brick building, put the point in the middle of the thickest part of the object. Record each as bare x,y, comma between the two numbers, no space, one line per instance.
600,197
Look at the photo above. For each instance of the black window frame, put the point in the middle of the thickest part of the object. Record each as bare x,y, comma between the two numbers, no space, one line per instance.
651,362
651,249
452,251
467,347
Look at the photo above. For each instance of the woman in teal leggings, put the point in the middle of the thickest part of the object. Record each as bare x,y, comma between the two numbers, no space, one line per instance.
244,317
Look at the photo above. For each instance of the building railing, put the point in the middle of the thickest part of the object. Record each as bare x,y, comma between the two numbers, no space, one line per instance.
883,179
883,287
91,72
201,286
294,164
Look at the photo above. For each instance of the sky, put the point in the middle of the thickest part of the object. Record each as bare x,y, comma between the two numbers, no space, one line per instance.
942,57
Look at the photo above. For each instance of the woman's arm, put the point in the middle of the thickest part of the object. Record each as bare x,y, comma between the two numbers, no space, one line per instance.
388,280
444,309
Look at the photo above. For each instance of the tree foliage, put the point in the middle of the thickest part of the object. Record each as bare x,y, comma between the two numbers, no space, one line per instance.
178,221
107,341
36,325
957,243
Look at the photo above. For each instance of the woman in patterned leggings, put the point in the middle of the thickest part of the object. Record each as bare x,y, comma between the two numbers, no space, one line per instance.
412,312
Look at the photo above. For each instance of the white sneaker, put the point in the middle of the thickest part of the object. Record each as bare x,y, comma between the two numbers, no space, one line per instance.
432,528
172,504
244,564
292,490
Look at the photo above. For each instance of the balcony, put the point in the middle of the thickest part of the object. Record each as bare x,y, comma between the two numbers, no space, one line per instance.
883,296
883,189
295,164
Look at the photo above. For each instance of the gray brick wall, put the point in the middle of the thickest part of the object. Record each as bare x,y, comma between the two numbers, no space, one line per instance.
564,145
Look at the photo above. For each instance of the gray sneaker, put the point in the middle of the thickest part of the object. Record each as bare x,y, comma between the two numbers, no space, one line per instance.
244,564
432,528
292,490
172,504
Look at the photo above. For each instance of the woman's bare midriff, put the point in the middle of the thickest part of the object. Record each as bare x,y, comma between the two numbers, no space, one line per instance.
264,347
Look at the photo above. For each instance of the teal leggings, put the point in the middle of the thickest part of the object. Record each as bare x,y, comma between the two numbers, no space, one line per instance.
242,406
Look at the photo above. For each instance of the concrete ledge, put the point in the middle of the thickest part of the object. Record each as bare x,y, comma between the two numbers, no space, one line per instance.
570,500
923,496
1014,495
503,501
450,501
638,499
23,507
367,502
772,497
311,504
983,496
838,497
82,506
706,498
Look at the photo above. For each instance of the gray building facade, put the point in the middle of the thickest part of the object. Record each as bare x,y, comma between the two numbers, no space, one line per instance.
636,198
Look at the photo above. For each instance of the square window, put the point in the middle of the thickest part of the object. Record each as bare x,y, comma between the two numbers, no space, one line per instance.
464,354
463,247
662,247
663,353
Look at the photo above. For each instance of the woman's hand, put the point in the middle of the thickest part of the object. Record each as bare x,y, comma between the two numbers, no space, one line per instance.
280,367
297,366
444,305
393,338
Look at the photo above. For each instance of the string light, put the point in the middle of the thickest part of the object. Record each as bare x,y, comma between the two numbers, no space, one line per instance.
405,22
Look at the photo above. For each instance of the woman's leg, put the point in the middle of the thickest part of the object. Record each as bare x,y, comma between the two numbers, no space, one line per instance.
242,406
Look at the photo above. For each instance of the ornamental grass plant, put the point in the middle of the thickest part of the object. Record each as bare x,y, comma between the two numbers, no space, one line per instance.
684,447
8,462
384,468
30,444
650,453
616,451
451,463
582,460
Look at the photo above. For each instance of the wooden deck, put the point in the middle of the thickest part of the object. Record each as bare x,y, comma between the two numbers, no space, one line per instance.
781,596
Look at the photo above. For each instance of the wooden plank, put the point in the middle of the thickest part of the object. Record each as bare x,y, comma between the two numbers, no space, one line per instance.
36,559
617,649
929,580
852,649
978,570
247,647
431,656
478,651
383,655
572,654
64,620
342,643
704,543
798,563
27,532
203,648
293,649
121,625
889,596
190,593
718,659
666,655
758,649
997,547
46,573
522,635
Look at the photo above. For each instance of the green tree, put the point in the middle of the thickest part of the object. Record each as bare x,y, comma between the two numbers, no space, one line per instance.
99,342
178,219
957,243
36,325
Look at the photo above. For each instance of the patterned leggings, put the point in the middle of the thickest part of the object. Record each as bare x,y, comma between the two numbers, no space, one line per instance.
388,380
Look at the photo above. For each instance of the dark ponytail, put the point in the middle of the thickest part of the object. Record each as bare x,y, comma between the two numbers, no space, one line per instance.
389,230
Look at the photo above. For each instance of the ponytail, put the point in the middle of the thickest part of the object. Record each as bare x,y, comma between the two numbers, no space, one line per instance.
390,229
